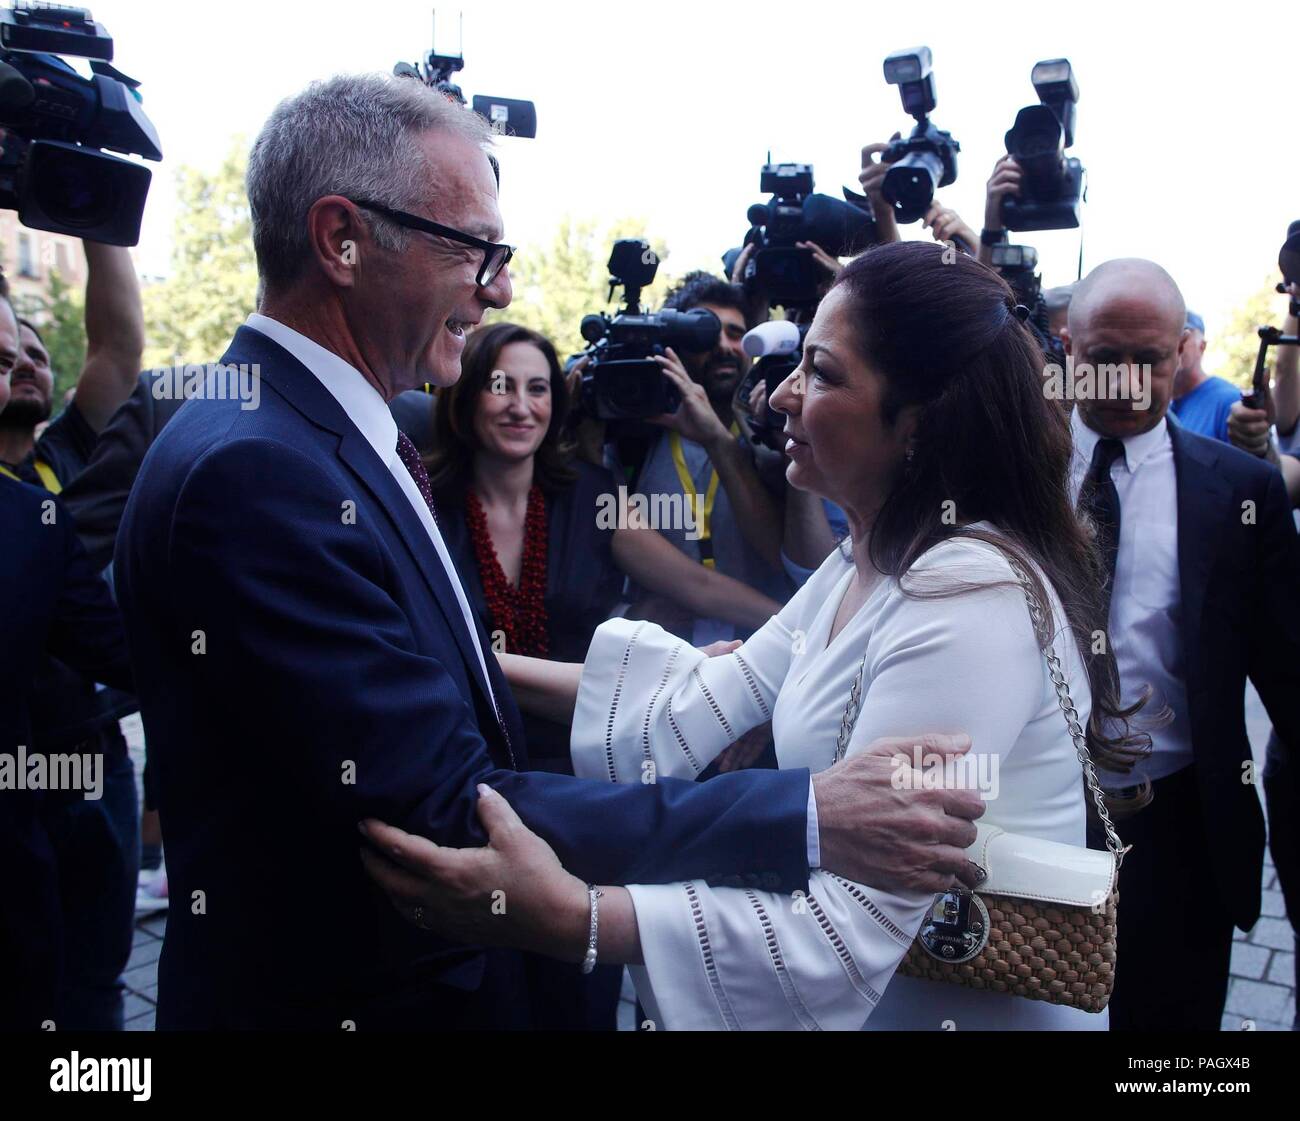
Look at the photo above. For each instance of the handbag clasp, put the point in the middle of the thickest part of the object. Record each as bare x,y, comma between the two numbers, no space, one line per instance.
956,928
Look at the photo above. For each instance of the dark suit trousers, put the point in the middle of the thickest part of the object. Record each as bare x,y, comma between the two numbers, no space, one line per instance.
1175,935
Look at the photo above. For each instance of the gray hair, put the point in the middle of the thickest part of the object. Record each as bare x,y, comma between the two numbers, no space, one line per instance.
352,135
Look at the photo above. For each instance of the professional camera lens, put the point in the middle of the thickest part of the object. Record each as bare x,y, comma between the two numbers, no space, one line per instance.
68,195
909,185
1035,140
694,330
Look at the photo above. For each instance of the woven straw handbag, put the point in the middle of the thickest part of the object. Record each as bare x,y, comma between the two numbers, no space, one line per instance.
1043,923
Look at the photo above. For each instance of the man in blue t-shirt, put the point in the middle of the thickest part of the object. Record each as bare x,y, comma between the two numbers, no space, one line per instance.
1201,401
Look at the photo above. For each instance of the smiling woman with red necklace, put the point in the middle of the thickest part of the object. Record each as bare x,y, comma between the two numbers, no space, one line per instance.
519,510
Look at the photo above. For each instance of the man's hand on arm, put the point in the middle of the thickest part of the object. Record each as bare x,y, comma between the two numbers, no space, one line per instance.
891,835
871,832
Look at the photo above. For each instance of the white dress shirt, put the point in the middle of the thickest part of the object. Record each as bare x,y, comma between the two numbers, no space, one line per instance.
369,412
1145,626
725,957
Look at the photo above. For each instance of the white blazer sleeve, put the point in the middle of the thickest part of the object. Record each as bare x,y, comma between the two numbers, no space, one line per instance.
737,958
651,705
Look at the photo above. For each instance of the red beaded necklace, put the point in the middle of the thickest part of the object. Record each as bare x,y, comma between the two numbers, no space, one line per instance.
519,613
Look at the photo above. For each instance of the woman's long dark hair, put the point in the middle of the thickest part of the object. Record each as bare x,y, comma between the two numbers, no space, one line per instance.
941,329
450,464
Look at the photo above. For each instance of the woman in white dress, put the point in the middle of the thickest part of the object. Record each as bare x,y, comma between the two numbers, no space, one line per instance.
918,408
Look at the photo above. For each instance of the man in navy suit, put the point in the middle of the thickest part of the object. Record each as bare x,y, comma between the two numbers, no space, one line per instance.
1204,593
305,654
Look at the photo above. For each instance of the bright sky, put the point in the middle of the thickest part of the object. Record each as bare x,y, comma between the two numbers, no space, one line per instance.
1186,117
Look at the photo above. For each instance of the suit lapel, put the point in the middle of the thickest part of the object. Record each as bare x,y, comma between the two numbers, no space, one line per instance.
304,391
356,452
1203,498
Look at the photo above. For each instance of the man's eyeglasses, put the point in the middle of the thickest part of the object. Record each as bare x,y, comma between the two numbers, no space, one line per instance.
495,255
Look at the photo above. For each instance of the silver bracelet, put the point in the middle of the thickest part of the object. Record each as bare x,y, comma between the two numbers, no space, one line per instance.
589,959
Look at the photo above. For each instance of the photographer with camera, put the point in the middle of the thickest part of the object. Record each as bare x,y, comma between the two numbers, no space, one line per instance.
54,125
702,457
95,843
58,847
114,321
1251,430
1250,425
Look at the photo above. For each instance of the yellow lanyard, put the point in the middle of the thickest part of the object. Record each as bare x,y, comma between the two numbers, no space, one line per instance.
44,470
704,512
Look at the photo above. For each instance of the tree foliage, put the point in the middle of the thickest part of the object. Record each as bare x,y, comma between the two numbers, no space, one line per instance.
1231,352
556,285
191,316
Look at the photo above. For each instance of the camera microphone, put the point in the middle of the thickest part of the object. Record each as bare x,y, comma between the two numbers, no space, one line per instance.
776,336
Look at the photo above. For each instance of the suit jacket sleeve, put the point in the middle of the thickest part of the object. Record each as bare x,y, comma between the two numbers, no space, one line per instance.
290,604
1274,653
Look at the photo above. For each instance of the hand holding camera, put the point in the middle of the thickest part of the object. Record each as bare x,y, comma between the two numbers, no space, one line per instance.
1249,429
947,226
1004,181
872,180
695,418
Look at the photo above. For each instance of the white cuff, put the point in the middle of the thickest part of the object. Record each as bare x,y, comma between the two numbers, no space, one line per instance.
814,838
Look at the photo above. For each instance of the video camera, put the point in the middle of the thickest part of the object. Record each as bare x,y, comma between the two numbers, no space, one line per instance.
1052,185
1288,260
777,348
53,171
508,116
621,380
927,159
1018,266
785,273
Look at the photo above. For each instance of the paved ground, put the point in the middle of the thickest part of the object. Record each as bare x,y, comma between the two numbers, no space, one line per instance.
1261,996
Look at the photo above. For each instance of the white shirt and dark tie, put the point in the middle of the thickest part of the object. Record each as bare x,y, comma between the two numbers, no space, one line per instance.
1145,625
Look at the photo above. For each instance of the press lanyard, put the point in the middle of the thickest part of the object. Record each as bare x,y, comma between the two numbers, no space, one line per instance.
703,515
48,478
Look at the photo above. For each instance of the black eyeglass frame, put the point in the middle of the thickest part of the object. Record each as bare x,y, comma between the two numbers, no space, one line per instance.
415,222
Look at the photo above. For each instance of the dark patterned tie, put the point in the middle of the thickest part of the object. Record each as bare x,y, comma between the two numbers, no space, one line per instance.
411,460
1099,499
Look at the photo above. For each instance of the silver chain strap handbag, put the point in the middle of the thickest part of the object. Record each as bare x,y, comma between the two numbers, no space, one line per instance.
1043,923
